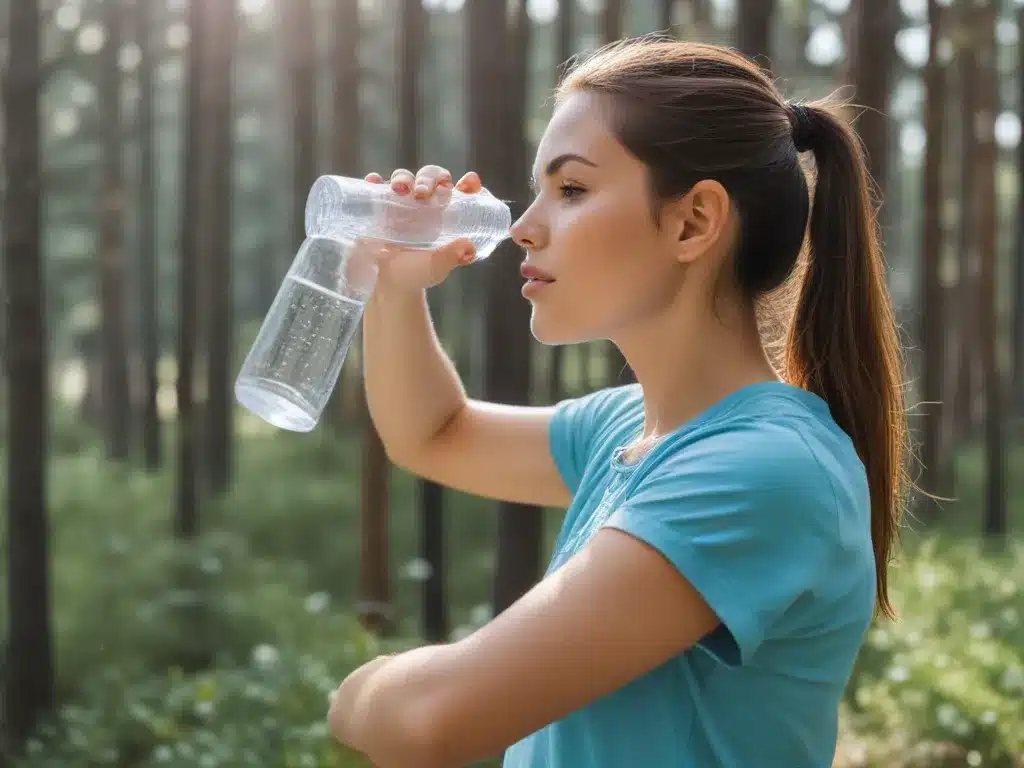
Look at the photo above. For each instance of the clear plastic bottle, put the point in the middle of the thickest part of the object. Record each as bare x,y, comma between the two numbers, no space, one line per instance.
293,366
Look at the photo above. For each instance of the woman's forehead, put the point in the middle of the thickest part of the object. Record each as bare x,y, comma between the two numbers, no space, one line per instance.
579,126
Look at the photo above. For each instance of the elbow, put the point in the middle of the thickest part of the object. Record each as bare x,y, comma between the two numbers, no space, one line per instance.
416,456
418,738
408,458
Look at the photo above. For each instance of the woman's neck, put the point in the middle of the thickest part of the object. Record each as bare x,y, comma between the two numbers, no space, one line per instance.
687,359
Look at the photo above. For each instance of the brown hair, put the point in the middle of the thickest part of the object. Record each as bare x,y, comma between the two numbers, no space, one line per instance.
691,112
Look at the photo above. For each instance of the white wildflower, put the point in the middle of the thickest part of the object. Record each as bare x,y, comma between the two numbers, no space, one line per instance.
317,602
947,715
417,569
265,656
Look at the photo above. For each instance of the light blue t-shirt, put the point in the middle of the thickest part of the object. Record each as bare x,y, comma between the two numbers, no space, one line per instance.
762,504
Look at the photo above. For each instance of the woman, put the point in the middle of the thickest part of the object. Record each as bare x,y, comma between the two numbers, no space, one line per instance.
730,520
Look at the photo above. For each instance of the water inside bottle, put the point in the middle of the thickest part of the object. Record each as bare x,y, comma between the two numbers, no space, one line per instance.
299,356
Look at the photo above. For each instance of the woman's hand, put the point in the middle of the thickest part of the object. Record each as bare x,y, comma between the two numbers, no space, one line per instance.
413,269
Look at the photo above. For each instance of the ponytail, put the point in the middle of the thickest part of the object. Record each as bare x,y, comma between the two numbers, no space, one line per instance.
843,343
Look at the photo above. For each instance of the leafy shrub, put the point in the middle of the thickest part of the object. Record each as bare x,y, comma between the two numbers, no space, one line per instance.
269,712
947,679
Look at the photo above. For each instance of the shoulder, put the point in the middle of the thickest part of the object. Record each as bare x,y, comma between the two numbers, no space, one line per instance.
599,417
778,456
585,427
603,405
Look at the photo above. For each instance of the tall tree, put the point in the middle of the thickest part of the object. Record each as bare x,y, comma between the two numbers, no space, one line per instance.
873,51
186,518
565,48
932,326
345,158
1017,375
148,307
116,396
28,669
965,365
297,26
219,294
611,30
995,525
668,12
496,89
754,29
431,495
611,20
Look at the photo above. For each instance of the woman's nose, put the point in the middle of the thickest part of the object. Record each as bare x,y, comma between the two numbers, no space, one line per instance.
527,233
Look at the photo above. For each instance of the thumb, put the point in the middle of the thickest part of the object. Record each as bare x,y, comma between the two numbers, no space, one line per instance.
457,253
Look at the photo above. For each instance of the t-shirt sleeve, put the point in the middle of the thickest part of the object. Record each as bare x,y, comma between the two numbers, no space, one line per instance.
575,429
745,517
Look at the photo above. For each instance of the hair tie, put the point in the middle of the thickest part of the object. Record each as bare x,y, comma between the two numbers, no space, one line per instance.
803,127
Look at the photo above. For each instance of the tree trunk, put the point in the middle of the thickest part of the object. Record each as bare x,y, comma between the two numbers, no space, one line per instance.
995,524
611,20
932,326
219,296
374,579
754,29
871,64
497,80
431,495
301,63
619,371
347,133
116,395
564,37
668,12
700,15
28,666
564,41
148,307
186,521
969,364
1017,376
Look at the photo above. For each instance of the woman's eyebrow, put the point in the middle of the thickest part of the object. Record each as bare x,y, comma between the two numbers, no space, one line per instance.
556,164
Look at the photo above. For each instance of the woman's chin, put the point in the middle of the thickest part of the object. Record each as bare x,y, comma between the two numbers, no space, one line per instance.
550,333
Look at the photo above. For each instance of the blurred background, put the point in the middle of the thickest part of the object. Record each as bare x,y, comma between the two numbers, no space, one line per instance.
185,584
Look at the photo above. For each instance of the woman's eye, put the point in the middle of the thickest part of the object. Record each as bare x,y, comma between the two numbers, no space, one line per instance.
570,191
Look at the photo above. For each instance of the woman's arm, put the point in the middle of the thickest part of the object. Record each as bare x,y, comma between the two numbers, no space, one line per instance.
613,612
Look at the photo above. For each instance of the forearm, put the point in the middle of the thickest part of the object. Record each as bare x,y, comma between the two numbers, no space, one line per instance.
412,388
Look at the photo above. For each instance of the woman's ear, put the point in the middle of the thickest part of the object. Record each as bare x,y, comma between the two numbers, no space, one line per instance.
700,219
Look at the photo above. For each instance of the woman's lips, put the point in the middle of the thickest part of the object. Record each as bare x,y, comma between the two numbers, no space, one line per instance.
536,280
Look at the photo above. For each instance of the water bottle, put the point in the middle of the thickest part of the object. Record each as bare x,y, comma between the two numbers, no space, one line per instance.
293,366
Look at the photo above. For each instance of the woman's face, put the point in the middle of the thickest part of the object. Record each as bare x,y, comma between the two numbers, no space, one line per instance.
605,268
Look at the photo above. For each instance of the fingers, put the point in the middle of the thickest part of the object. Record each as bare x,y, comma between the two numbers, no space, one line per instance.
429,179
402,181
469,183
423,184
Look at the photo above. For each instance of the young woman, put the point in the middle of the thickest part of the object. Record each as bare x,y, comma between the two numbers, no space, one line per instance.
731,516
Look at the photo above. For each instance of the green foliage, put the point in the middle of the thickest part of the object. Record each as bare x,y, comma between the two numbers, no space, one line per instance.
946,681
269,712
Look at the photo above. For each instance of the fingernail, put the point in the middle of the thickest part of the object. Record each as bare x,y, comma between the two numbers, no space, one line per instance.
401,187
422,189
467,256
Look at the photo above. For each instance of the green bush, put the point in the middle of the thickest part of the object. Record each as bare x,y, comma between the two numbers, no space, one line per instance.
270,712
947,678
